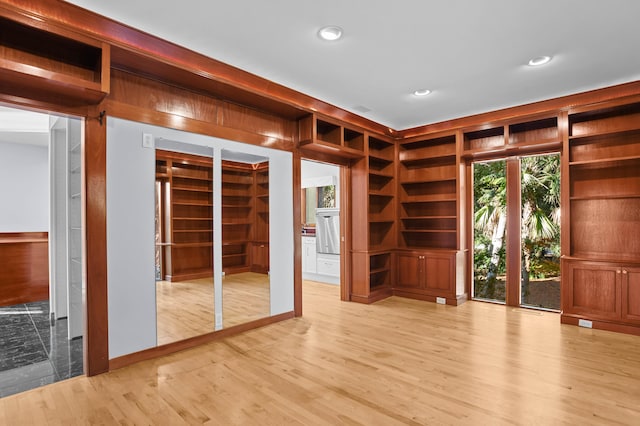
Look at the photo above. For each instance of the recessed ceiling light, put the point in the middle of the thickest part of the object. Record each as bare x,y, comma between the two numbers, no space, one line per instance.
330,33
422,92
540,60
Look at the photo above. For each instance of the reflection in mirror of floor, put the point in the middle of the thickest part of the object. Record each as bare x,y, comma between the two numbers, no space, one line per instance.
186,309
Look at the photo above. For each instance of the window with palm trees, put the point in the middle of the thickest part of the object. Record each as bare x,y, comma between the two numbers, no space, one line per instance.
537,196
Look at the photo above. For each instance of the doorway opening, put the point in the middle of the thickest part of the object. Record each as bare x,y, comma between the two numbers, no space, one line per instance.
42,256
516,239
322,215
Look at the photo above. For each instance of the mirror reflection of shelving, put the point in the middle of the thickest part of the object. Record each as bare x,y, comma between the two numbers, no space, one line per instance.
184,246
186,188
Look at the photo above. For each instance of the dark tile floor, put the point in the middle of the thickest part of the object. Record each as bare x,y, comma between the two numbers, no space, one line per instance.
33,352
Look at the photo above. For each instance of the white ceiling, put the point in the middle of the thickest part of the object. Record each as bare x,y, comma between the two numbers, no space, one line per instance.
471,54
24,127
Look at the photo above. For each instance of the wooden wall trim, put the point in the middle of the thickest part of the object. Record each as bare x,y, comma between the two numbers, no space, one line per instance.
597,324
96,340
297,232
627,92
171,348
173,121
513,231
346,230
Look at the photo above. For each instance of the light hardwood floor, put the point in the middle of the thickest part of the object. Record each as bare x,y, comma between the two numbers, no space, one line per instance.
398,361
186,308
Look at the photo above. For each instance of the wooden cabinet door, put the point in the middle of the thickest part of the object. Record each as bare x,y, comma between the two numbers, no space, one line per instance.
631,294
260,257
593,289
439,273
410,270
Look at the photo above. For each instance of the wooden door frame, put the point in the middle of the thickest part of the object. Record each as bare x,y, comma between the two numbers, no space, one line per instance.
93,154
513,243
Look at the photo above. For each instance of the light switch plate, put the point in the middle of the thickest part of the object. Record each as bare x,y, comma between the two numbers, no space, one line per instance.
147,140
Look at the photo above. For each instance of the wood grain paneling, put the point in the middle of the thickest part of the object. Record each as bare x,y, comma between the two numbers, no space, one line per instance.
140,99
590,238
96,339
24,271
260,123
155,96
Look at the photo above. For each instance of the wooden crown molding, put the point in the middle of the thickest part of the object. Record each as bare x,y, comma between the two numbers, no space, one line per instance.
626,92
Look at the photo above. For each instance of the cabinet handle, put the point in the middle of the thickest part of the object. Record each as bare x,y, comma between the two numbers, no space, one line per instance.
624,271
618,271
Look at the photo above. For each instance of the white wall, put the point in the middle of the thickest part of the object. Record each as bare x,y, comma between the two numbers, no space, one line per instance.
130,230
130,239
314,169
311,169
24,188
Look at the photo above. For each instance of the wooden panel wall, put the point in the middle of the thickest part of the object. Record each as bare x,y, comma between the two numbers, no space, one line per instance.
24,267
140,99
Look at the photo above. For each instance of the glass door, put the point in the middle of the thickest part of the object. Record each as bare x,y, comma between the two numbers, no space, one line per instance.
540,231
490,230
516,238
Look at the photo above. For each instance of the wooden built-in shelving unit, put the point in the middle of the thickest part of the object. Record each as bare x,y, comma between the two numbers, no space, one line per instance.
601,271
65,67
428,262
329,137
537,134
373,227
427,193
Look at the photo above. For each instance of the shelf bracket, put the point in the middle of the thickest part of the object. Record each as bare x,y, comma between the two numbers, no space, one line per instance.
101,116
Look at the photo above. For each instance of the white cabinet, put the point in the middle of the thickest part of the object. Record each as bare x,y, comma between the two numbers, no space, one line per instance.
320,267
328,264
309,255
